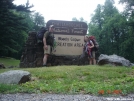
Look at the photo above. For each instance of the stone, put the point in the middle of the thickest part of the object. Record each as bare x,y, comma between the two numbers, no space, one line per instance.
11,67
2,66
113,60
33,53
15,77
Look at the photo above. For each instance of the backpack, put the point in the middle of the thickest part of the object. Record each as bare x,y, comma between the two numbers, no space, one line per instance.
50,40
40,34
96,45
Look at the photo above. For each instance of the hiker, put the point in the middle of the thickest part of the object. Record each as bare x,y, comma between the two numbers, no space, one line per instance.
47,45
92,59
85,49
88,47
83,57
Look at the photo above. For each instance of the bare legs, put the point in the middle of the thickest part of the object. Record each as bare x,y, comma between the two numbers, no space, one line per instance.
45,59
92,61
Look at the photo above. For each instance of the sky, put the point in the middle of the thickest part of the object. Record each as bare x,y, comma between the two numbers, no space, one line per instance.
66,9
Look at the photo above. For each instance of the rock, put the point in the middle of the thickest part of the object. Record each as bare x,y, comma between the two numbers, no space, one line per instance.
113,60
132,64
11,67
2,66
33,53
14,77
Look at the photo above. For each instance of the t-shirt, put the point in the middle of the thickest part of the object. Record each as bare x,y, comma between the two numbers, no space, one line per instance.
46,34
91,42
49,38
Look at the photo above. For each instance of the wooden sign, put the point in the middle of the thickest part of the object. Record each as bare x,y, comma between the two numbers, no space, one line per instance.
69,36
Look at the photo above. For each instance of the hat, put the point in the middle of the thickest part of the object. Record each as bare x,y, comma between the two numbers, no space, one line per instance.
51,26
87,36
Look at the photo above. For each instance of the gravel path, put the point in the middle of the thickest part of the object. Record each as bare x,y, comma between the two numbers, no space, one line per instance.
60,97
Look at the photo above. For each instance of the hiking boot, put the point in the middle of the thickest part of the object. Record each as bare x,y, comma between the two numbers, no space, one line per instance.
44,65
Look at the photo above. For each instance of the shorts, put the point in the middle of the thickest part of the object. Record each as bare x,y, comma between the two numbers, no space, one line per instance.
93,54
47,51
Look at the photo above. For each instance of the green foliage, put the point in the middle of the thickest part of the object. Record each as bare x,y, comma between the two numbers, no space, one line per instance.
15,23
79,20
113,30
38,20
129,37
129,7
11,28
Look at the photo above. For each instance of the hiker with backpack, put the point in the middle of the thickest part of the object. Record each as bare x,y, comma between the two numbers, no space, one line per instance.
48,40
93,50
86,50
83,57
88,45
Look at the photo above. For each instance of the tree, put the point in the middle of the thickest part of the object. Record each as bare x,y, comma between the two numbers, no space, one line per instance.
107,25
95,25
129,9
12,28
38,20
79,20
74,19
98,19
114,30
129,38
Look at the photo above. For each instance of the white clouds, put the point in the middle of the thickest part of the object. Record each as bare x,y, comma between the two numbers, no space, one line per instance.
64,9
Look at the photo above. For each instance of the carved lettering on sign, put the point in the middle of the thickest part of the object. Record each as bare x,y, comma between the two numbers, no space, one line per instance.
58,30
68,27
69,36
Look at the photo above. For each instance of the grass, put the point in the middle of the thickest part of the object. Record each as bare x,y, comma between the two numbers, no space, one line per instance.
9,62
96,80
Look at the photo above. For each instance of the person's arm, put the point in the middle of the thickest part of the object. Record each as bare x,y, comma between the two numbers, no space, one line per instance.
92,45
44,40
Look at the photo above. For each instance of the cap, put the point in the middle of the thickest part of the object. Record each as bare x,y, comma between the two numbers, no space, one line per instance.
51,26
87,36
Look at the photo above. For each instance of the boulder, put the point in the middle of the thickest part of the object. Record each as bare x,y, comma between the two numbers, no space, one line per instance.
33,53
2,66
113,60
14,77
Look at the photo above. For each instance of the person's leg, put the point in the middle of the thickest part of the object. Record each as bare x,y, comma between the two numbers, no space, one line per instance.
93,59
90,61
46,54
45,59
